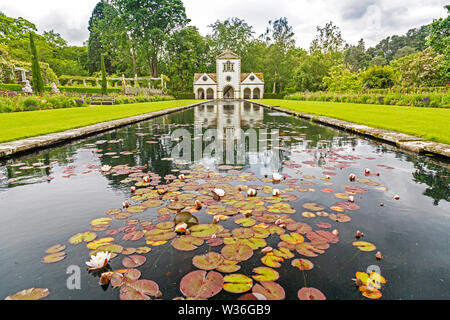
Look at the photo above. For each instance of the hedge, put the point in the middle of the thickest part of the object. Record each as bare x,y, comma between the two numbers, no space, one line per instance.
18,88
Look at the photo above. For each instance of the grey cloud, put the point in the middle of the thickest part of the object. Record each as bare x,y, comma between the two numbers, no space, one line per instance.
356,9
73,34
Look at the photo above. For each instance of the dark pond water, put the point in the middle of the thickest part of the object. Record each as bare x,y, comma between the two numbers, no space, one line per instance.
47,197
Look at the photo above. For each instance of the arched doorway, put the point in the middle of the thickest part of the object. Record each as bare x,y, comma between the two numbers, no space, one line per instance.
210,93
256,93
201,94
247,93
228,92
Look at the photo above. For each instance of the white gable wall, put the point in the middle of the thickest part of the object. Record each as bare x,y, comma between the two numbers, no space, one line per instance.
235,77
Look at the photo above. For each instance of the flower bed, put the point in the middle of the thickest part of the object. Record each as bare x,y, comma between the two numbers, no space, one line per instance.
388,97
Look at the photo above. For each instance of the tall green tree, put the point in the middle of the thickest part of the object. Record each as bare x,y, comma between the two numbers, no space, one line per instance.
280,53
104,80
38,81
149,23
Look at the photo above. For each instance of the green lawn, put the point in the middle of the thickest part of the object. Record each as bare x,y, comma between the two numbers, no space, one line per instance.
20,125
429,123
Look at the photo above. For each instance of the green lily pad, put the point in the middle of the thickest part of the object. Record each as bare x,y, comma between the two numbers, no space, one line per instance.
246,222
185,217
265,274
56,248
54,257
312,206
159,235
237,283
243,233
205,230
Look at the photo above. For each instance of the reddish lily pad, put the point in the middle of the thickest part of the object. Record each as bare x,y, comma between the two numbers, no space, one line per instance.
209,261
139,290
201,285
186,243
271,290
134,261
302,264
237,252
310,294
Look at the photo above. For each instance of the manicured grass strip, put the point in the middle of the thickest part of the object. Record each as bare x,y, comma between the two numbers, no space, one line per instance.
428,123
20,125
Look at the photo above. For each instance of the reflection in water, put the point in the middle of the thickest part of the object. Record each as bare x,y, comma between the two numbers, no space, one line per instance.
64,190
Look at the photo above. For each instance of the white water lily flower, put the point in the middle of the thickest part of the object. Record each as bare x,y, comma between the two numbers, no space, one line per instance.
276,192
251,192
106,168
219,192
98,261
277,177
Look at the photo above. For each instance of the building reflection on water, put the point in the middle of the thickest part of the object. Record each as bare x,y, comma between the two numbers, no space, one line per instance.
229,117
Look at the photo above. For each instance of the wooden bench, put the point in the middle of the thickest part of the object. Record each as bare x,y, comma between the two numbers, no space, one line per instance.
102,100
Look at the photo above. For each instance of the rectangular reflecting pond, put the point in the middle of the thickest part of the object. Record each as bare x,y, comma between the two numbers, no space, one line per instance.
56,204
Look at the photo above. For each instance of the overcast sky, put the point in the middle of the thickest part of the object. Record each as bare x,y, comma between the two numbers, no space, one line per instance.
372,20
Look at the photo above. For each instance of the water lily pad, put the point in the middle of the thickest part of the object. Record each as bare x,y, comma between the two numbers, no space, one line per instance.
143,250
348,205
54,257
340,217
237,252
246,222
243,233
299,227
364,246
310,294
237,283
169,225
292,238
101,221
29,294
185,217
133,236
272,261
302,264
322,236
312,206
265,274
209,261
228,266
152,203
93,245
370,293
56,248
205,230
254,243
271,290
261,233
136,209
324,225
201,285
308,249
284,253
83,237
139,290
159,235
133,261
308,214
186,243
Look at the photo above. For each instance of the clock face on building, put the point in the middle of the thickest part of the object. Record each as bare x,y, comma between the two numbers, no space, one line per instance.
228,78
252,78
205,78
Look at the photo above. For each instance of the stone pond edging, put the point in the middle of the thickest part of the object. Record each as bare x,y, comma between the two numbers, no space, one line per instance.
11,148
401,140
